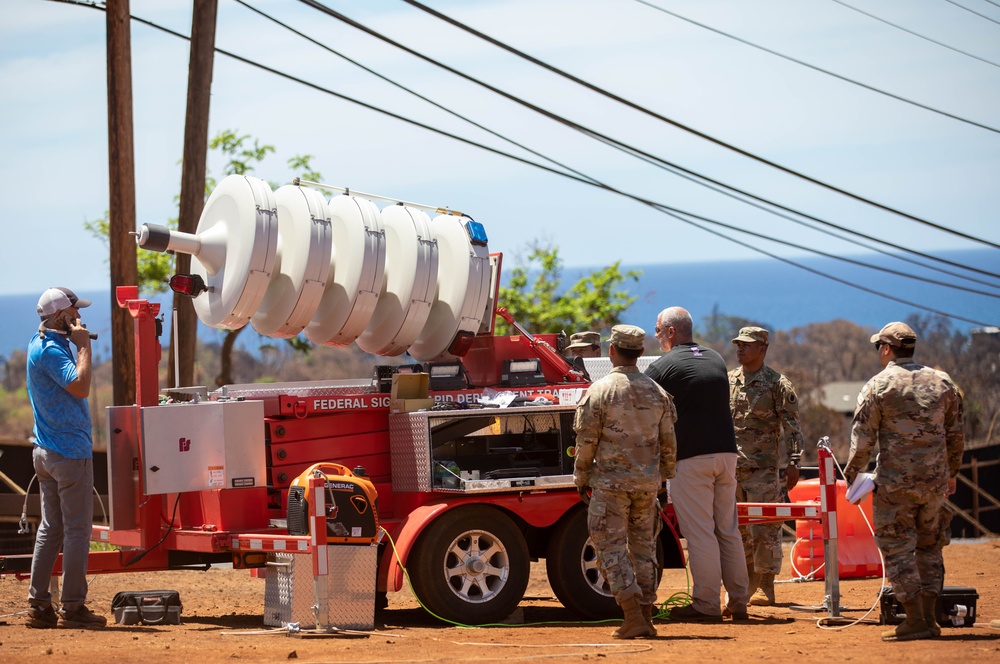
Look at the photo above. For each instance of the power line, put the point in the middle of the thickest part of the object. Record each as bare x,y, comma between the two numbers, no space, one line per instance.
585,130
416,94
971,11
676,213
676,170
633,105
879,293
915,34
819,69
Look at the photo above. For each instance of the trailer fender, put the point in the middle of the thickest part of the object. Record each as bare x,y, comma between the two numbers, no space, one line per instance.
390,577
670,539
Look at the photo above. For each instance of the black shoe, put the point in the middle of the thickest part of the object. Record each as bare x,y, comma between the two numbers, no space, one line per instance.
83,618
690,614
39,618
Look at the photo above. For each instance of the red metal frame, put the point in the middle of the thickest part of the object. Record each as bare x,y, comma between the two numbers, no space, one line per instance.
352,430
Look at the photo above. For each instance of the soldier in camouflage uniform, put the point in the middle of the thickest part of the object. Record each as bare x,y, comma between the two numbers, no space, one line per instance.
625,449
914,414
765,415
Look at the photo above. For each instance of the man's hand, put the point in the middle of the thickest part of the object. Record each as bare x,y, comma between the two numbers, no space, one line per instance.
952,486
791,476
78,334
584,494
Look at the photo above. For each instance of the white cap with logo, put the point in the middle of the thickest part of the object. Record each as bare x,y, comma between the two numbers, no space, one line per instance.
56,299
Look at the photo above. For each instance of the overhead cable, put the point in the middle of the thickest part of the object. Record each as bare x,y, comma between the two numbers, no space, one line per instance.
416,94
915,34
679,171
673,212
586,130
881,293
319,6
819,69
971,11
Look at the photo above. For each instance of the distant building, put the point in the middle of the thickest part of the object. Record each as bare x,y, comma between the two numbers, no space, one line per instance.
986,342
841,396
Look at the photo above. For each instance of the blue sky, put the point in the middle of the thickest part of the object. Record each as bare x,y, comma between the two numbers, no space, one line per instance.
53,134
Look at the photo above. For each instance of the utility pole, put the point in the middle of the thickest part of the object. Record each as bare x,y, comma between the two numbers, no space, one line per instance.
193,177
121,179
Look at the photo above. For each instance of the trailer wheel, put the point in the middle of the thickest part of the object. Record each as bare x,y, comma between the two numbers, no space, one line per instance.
574,573
470,566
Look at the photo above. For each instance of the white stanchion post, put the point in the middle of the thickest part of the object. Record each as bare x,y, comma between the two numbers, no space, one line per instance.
317,529
828,506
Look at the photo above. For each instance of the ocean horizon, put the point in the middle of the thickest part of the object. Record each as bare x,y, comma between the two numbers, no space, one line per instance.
772,293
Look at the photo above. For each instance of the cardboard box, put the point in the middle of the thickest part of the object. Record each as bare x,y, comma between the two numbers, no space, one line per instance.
409,393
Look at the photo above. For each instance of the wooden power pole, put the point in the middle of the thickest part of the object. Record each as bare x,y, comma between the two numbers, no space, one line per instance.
193,176
121,180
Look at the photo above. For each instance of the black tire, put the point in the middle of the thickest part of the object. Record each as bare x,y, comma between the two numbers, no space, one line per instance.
574,574
470,565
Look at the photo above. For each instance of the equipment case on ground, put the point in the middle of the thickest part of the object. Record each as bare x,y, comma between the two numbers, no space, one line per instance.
956,607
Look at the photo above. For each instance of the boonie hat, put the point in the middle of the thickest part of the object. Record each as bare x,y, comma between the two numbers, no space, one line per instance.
584,340
628,337
57,299
896,334
751,334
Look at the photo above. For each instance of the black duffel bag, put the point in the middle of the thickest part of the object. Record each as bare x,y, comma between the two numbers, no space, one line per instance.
147,607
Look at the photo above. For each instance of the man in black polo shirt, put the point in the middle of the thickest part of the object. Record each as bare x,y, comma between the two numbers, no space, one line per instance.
704,490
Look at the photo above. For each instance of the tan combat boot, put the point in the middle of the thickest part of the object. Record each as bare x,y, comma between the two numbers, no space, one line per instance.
635,623
753,578
913,627
647,613
764,596
928,602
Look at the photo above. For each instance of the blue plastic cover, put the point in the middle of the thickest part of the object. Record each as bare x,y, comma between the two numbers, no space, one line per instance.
477,233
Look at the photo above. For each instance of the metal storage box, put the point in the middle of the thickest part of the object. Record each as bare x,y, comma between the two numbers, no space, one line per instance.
201,446
289,593
485,450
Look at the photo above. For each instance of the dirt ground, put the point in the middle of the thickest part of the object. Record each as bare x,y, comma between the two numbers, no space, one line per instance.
223,608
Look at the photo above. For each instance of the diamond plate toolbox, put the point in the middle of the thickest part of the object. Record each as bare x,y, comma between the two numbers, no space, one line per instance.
289,595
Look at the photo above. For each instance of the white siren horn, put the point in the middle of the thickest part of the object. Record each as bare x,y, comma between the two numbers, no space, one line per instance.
357,266
233,250
301,266
463,287
411,273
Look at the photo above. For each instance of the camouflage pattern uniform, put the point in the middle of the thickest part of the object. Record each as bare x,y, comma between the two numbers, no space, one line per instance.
765,414
625,448
914,414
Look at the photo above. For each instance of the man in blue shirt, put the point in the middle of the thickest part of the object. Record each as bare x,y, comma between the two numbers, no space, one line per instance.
58,386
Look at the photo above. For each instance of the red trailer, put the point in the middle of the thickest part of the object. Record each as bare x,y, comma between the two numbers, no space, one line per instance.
456,465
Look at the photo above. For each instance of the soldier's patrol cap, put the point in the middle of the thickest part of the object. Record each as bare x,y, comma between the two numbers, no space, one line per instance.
628,337
896,334
584,340
752,334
